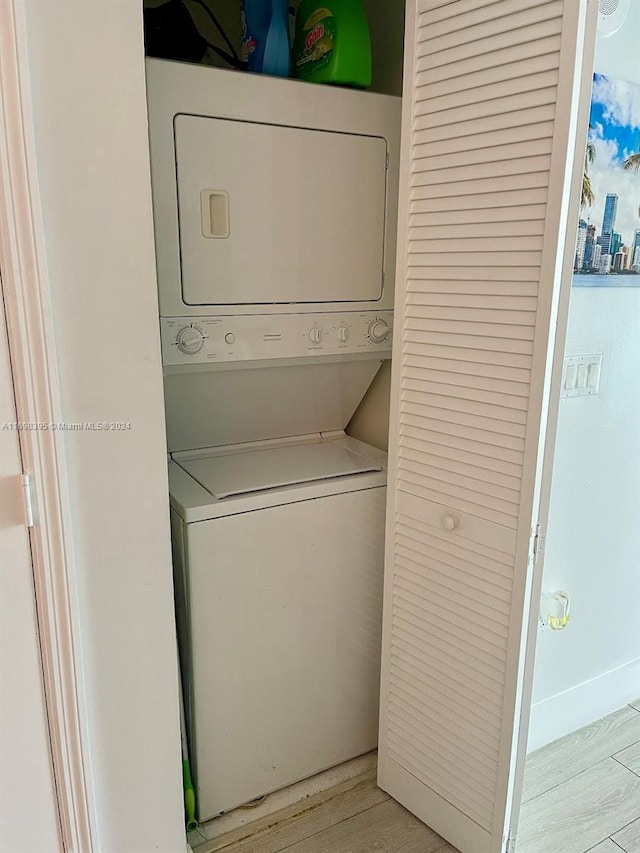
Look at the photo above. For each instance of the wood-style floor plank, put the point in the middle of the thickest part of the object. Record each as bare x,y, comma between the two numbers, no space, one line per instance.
606,846
629,837
386,828
581,812
297,823
596,810
559,761
630,757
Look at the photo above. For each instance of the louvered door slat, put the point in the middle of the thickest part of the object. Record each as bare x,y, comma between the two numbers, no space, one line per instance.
451,9
410,685
476,383
501,316
465,428
481,93
486,123
454,760
478,691
479,765
485,145
476,574
487,302
432,392
484,556
450,361
414,593
443,333
426,161
458,81
511,120
429,435
535,31
487,477
482,764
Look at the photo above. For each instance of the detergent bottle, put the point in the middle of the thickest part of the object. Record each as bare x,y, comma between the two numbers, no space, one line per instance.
265,36
332,43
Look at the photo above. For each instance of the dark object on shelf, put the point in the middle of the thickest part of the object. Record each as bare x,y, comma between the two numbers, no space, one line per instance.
170,33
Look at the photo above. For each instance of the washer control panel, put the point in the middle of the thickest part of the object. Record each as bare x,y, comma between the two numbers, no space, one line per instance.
203,340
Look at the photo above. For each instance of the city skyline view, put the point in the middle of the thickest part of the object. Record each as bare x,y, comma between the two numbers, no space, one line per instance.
615,134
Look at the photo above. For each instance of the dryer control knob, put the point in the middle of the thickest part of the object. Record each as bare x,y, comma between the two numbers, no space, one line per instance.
378,331
190,340
342,334
315,334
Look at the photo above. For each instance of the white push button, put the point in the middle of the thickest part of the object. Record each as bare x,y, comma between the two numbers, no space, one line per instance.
570,377
581,376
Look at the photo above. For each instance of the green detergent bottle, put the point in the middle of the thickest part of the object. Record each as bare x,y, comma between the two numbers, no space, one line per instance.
332,43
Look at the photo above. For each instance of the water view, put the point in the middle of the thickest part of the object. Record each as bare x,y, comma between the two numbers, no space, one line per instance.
611,280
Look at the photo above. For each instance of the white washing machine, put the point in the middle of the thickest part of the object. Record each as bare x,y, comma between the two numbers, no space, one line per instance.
278,553
274,209
278,559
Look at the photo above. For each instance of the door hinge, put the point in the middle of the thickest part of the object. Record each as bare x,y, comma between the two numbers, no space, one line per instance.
537,543
28,500
510,844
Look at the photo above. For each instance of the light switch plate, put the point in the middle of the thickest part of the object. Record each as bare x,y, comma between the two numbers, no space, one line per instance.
581,375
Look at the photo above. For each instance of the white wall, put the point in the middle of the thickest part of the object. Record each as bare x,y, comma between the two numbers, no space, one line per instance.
386,25
617,54
593,545
370,423
90,120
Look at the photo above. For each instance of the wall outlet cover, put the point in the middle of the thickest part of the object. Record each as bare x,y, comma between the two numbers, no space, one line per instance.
581,375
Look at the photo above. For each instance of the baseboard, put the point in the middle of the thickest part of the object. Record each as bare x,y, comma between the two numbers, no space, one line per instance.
585,703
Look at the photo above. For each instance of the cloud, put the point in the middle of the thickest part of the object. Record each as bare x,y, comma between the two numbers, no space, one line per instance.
620,101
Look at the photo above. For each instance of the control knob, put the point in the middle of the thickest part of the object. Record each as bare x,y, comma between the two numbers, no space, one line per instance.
190,340
378,331
315,334
342,334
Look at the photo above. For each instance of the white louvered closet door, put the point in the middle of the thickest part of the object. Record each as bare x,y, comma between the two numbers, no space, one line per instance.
487,187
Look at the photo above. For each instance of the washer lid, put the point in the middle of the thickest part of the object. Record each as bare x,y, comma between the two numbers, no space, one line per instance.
250,471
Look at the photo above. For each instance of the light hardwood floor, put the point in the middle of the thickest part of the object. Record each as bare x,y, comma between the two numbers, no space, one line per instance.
582,795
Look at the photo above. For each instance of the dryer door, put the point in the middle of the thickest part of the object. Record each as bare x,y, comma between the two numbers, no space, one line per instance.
278,215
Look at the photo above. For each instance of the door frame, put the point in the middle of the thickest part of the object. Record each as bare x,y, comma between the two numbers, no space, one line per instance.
37,392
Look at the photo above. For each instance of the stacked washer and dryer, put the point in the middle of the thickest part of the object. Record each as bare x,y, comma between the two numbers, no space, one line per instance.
275,214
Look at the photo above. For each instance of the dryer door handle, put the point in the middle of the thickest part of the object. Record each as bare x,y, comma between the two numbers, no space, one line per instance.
214,209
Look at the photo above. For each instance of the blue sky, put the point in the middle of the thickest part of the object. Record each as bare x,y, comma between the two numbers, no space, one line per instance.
615,133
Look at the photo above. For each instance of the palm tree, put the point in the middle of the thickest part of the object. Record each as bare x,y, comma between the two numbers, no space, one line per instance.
632,163
587,197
